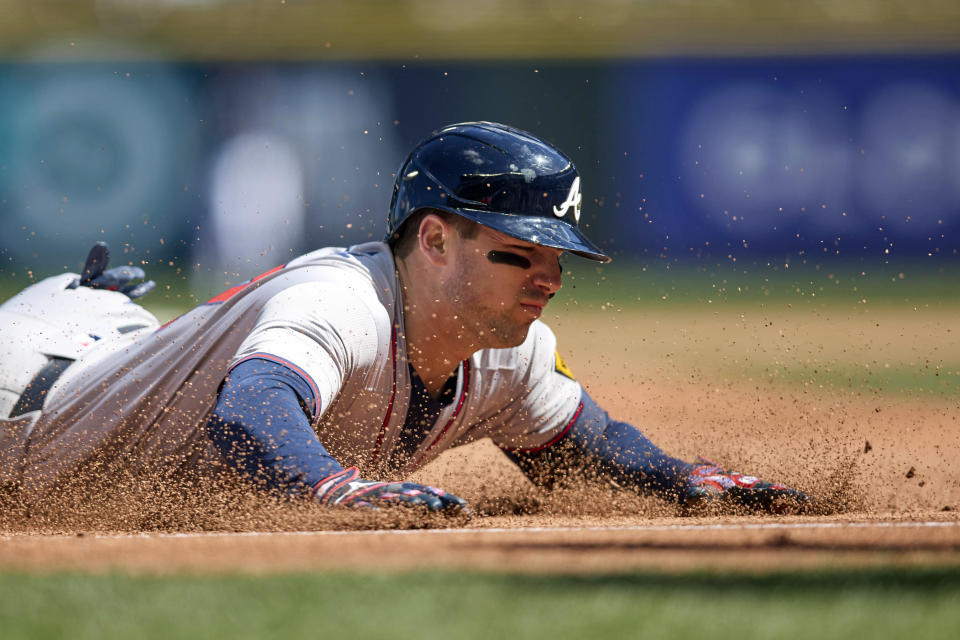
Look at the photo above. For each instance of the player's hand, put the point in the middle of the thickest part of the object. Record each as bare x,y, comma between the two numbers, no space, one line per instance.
710,483
346,489
96,275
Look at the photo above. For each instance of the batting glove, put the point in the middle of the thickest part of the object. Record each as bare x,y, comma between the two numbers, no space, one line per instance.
346,489
96,275
709,482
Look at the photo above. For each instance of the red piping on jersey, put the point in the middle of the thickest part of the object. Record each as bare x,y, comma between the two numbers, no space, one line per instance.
393,395
456,412
229,293
226,295
303,374
553,440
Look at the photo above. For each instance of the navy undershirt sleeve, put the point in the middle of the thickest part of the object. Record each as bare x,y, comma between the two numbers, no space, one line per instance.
262,426
617,450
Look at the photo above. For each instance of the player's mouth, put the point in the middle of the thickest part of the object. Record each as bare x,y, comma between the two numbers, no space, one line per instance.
533,308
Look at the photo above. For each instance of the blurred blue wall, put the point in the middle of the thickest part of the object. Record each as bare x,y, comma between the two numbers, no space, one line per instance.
236,167
851,157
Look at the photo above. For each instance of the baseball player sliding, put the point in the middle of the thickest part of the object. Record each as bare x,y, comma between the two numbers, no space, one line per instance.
333,376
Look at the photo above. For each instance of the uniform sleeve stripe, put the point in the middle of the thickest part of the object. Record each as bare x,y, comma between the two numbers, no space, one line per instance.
289,365
554,439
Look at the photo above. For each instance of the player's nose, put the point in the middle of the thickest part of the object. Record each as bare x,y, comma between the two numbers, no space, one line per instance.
548,275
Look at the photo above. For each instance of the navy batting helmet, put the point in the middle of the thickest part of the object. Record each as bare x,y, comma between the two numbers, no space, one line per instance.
497,176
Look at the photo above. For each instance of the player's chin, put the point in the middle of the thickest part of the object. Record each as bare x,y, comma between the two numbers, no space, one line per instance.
516,335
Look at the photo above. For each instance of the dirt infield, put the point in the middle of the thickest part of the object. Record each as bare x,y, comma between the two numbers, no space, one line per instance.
883,467
743,546
884,518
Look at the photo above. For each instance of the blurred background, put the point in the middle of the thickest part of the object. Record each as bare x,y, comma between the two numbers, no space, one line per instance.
210,140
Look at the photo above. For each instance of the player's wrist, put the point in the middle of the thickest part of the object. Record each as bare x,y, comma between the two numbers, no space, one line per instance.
330,487
346,489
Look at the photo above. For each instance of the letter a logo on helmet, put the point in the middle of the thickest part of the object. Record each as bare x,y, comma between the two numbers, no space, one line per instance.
503,178
573,200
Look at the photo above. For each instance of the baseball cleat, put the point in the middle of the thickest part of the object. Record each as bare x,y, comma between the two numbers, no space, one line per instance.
709,483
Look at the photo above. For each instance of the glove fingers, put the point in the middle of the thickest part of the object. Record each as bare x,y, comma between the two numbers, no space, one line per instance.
96,275
453,504
413,494
709,482
448,500
768,498
96,262
373,495
115,278
363,505
134,291
129,273
778,491
432,502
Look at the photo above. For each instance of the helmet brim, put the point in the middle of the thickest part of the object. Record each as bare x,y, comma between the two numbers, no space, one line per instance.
536,230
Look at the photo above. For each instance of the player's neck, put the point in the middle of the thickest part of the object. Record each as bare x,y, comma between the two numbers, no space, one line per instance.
434,332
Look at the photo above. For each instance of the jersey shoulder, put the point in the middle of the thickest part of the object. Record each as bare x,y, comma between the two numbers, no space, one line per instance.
328,329
361,267
322,304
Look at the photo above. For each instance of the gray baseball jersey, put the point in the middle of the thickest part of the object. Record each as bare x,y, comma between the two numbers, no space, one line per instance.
334,315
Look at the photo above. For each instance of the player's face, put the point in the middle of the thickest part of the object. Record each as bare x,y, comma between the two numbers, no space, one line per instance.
502,285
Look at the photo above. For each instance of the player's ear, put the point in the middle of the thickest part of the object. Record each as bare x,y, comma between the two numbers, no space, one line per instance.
434,238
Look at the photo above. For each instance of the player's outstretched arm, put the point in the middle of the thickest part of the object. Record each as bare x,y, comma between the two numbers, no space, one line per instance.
622,453
262,426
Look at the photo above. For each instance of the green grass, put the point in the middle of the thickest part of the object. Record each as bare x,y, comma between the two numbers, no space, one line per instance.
879,603
916,381
856,284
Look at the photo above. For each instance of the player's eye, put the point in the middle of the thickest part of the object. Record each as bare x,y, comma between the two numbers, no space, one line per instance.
509,258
